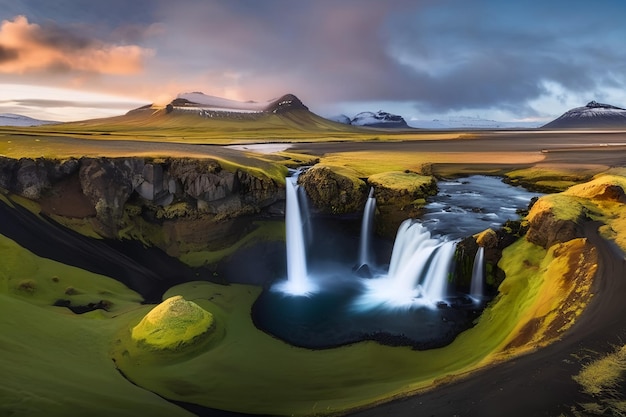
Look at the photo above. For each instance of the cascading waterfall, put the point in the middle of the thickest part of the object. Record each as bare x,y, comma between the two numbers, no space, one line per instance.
478,275
365,252
418,272
298,281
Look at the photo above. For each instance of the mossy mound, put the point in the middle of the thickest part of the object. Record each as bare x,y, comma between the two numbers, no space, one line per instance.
402,187
173,324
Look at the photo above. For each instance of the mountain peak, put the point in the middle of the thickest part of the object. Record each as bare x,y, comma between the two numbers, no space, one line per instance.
592,115
286,103
595,105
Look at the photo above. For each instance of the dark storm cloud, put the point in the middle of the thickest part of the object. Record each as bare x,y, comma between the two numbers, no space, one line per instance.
8,54
437,55
446,55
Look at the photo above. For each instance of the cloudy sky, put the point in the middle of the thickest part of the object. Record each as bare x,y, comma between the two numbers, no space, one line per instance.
423,59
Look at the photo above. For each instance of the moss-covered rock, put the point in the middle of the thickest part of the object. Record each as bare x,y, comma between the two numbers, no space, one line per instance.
399,195
555,219
173,324
488,239
336,190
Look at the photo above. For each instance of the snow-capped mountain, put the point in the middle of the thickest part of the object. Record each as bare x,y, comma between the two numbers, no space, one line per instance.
371,119
10,119
593,115
206,103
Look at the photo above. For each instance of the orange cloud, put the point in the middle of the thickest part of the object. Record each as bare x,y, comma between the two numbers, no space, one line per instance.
27,47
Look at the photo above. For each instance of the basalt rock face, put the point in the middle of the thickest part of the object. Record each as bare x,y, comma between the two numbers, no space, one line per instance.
111,184
493,242
31,177
334,192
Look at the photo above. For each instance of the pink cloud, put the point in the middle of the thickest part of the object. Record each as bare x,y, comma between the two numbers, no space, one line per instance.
29,48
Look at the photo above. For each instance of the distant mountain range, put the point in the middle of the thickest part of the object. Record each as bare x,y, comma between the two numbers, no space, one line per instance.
466,122
10,119
198,109
593,115
370,119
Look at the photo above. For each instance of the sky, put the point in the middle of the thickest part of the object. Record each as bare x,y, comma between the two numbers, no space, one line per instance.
528,60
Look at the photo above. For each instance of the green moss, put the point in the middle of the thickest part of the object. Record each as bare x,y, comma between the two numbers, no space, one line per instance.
59,362
42,281
396,180
173,324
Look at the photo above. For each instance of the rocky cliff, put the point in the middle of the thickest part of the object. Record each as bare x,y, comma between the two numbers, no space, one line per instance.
178,187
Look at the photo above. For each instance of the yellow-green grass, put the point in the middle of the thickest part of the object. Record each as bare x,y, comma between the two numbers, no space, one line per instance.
602,376
367,163
55,363
250,371
553,177
602,380
400,180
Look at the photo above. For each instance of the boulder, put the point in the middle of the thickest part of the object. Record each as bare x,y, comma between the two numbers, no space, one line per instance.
173,324
334,190
554,219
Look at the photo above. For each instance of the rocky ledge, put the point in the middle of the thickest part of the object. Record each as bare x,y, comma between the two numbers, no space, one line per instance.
104,187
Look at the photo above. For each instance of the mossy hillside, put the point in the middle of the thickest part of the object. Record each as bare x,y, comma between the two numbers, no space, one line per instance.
43,282
281,379
173,324
606,204
57,363
600,199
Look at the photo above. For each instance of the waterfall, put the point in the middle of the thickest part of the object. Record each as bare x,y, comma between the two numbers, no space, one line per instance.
436,280
478,274
418,271
365,252
298,282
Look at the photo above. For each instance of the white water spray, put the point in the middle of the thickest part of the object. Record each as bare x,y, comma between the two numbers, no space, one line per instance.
478,275
365,251
418,272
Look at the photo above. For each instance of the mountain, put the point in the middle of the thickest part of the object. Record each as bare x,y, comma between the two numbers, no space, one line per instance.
10,119
593,115
204,103
371,119
198,115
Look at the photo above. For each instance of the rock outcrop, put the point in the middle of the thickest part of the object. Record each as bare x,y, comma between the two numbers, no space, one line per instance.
201,186
334,190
